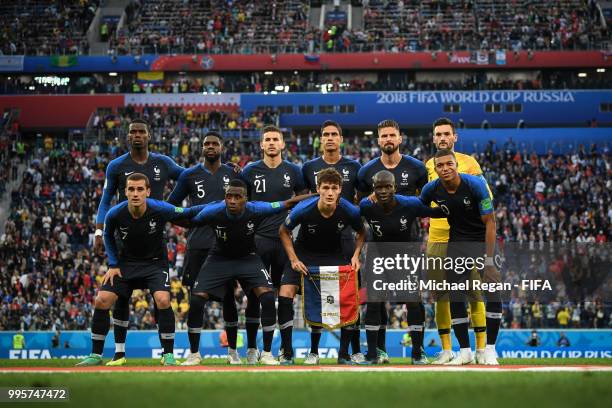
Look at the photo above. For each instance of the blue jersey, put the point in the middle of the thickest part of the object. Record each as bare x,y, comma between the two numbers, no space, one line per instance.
320,234
235,234
158,168
272,184
464,208
142,239
202,187
396,226
347,168
410,175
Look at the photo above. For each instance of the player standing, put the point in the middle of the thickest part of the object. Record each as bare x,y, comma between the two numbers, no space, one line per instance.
137,221
331,140
322,220
390,219
466,201
410,176
158,169
270,179
235,222
445,137
203,183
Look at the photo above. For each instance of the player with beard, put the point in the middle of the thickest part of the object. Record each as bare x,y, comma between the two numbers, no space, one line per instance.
331,140
159,169
410,176
445,137
270,179
390,217
203,183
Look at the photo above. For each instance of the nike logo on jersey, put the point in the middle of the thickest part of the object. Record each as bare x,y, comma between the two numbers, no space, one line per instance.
258,176
128,173
199,182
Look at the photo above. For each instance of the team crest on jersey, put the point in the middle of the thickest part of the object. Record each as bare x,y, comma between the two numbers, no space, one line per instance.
404,181
250,228
346,174
287,178
312,228
403,224
340,226
467,202
152,227
157,171
226,179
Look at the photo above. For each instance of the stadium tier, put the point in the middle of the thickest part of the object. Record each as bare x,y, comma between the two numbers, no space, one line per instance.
120,27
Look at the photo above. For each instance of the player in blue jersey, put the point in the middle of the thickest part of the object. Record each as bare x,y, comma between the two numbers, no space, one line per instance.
466,201
410,176
138,262
270,179
234,258
159,169
322,220
390,217
331,140
202,184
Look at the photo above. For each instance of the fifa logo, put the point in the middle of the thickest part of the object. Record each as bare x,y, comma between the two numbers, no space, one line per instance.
403,224
157,171
152,227
287,178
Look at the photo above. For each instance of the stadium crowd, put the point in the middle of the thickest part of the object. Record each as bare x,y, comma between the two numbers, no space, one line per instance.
45,27
306,82
49,274
257,26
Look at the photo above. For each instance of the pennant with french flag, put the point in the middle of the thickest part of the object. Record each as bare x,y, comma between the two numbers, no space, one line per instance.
330,296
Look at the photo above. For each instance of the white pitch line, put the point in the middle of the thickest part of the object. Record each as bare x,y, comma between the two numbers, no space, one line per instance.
332,369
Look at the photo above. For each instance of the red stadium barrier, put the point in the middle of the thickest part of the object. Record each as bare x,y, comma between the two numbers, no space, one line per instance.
48,111
381,60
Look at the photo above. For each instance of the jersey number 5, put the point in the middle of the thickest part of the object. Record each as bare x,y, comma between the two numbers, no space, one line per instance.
201,192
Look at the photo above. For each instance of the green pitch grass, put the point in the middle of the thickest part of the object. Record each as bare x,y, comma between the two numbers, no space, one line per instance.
322,389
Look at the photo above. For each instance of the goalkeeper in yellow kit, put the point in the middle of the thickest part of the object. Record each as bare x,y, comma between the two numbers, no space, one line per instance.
445,137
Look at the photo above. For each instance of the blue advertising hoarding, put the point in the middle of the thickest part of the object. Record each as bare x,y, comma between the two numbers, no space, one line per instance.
552,108
145,344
